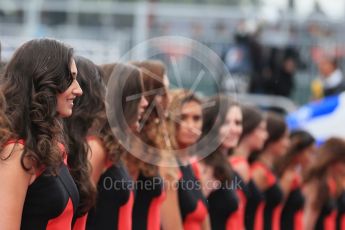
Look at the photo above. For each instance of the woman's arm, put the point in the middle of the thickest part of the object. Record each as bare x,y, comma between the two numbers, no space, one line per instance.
14,182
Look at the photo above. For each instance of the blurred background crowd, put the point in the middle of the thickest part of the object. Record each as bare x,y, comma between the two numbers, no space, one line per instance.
269,47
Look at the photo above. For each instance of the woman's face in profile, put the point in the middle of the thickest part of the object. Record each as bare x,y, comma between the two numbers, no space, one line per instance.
65,99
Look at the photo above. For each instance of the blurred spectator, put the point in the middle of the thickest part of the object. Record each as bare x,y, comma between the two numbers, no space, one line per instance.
287,72
237,57
282,67
331,79
237,62
257,58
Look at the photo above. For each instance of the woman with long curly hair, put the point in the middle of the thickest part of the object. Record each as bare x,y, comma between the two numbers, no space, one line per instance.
39,86
262,170
222,125
87,111
321,188
143,165
252,139
185,128
290,169
114,203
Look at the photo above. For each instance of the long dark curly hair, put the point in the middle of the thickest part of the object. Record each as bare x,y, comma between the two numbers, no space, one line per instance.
37,72
5,133
127,78
88,109
101,127
153,72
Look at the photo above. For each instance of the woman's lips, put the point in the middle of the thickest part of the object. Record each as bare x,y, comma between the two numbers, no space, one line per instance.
70,102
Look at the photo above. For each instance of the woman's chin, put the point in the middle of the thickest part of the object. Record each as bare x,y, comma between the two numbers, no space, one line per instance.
135,127
230,144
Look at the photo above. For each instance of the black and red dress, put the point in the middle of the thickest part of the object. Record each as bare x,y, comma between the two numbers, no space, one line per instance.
114,204
51,200
292,213
193,205
149,196
270,208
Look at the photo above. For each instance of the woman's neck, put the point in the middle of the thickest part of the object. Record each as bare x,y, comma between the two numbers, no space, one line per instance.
183,156
267,159
243,151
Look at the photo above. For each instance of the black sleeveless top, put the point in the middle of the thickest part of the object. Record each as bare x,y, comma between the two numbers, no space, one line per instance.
149,197
222,203
113,209
294,204
326,210
273,197
50,201
193,206
254,198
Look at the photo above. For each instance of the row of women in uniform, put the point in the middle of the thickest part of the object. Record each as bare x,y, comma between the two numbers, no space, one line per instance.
73,154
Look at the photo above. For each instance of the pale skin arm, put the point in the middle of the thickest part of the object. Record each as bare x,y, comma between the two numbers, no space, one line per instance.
97,158
14,182
170,210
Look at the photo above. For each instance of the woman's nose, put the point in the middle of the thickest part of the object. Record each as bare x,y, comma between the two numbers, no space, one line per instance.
77,89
